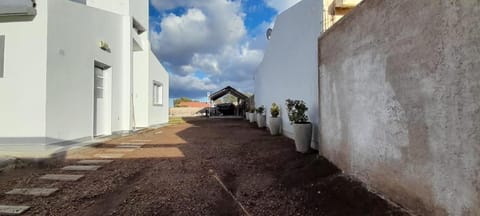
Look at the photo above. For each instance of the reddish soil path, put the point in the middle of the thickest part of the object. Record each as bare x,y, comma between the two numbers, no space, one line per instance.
172,174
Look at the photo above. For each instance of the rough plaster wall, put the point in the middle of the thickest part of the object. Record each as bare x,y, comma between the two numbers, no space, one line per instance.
399,86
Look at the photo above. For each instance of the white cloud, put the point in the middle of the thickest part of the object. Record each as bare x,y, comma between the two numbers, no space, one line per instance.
209,37
232,63
207,27
281,5
190,86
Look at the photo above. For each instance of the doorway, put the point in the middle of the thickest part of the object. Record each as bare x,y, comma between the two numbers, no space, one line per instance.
102,100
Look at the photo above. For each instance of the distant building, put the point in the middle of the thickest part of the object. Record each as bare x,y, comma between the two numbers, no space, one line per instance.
334,10
73,70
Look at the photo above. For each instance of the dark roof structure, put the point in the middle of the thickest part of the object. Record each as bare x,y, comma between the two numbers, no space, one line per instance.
225,91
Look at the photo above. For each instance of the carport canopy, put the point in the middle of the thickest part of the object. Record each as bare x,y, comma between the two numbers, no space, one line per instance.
216,95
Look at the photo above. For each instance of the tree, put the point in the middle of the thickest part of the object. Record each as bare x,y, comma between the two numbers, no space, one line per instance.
177,101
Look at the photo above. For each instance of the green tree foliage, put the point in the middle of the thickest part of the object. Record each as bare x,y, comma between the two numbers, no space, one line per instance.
177,101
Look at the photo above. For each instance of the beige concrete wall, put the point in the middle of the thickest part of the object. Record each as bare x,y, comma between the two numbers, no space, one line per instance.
186,111
399,89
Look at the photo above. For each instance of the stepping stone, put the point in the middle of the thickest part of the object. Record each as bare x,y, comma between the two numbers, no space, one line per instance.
94,161
141,140
32,191
159,132
13,210
109,155
61,177
138,144
128,146
120,150
81,168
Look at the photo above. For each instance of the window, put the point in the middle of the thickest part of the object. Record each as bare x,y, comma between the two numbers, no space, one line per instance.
2,54
157,93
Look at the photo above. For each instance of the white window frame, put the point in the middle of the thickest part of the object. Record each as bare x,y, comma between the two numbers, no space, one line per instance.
2,56
157,93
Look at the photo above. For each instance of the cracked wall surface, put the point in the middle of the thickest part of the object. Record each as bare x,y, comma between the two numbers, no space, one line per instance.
399,92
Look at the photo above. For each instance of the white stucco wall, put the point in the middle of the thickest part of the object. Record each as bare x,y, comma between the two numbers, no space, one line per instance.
22,89
135,8
158,114
115,6
289,67
48,95
74,32
140,87
139,10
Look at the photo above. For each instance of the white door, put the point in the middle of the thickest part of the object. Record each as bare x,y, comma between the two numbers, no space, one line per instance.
100,100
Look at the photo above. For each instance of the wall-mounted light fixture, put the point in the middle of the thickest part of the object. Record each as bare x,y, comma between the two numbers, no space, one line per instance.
269,33
104,46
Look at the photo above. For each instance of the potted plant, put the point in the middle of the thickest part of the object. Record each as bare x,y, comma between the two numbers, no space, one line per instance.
275,122
252,116
261,119
301,126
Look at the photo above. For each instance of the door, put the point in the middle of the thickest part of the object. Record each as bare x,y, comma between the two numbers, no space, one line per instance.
100,103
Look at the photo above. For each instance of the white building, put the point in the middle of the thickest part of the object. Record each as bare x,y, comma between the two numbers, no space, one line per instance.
290,66
74,70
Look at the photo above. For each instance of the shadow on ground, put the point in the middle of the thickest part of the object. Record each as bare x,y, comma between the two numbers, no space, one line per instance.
172,174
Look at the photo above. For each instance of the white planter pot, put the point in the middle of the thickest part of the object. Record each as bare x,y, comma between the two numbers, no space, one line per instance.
303,136
247,115
275,124
261,120
252,117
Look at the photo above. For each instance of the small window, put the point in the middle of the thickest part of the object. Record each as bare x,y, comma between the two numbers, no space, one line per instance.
157,93
2,54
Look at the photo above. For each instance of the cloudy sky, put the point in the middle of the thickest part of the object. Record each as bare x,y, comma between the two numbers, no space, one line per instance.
209,44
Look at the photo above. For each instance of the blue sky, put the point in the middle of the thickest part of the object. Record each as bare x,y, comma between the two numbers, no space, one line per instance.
206,45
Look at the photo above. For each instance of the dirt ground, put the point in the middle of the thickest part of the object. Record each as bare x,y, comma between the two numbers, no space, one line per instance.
174,174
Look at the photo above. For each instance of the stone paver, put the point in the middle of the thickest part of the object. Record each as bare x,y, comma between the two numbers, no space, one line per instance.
139,140
128,146
32,191
121,150
13,210
94,161
132,143
81,168
109,155
6,163
61,177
